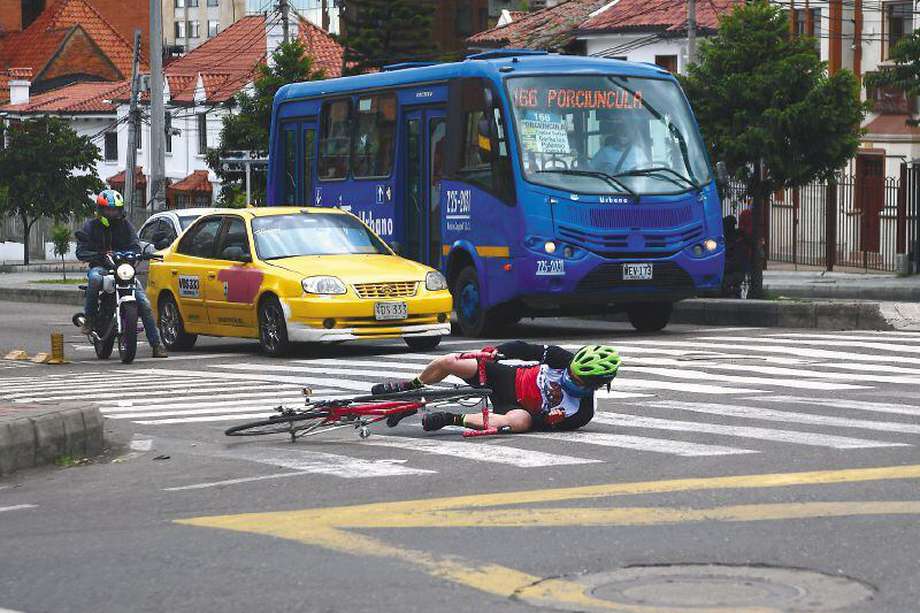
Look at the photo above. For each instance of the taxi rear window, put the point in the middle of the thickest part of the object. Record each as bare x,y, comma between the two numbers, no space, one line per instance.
286,236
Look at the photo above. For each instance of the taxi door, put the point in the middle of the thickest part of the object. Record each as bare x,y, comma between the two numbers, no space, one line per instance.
232,282
189,268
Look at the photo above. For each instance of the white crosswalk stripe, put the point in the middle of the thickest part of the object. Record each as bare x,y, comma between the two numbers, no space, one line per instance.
731,379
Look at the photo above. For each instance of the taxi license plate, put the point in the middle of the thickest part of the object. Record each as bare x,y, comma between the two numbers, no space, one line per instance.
384,311
637,272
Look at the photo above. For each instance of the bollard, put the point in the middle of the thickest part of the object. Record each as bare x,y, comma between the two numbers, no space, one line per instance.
57,348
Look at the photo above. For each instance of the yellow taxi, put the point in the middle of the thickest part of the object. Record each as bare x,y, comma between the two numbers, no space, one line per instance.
285,274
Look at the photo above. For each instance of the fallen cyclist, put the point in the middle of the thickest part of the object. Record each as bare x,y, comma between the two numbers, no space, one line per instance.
557,393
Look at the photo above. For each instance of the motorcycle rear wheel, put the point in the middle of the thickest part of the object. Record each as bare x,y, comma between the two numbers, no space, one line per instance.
127,341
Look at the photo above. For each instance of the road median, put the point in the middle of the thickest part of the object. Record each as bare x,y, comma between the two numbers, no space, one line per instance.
39,434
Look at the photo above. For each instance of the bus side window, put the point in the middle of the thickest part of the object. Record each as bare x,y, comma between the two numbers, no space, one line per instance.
372,155
484,158
334,140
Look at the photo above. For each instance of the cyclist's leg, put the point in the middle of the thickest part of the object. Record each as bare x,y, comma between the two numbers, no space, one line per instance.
437,370
518,420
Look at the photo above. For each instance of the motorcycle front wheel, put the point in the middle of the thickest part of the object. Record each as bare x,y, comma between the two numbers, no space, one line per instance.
127,340
104,347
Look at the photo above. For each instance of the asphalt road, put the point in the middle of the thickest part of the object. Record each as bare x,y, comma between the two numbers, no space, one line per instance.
730,470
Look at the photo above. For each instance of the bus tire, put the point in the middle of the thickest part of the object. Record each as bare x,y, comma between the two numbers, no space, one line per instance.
649,316
472,319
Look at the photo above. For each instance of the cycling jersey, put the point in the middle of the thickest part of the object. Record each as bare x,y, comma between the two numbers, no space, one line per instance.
538,388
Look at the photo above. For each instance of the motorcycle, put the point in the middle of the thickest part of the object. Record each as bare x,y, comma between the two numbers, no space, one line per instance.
118,311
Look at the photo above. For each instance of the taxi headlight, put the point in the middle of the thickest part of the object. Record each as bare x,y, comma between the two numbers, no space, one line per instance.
125,272
710,245
435,281
323,285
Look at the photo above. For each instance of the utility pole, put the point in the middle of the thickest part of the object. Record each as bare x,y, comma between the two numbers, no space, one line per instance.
325,17
133,127
157,111
284,7
691,32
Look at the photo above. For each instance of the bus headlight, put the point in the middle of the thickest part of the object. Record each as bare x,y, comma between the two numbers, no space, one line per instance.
435,281
323,285
550,247
710,244
125,272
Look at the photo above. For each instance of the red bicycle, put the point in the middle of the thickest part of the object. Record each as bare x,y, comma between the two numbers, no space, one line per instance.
361,412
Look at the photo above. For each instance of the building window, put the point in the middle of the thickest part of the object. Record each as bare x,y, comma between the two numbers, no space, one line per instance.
180,29
193,30
898,22
169,135
213,28
180,4
376,137
668,62
111,146
464,20
335,140
202,133
213,2
191,3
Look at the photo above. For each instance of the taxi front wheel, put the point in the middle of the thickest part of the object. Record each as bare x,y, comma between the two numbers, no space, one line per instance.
273,336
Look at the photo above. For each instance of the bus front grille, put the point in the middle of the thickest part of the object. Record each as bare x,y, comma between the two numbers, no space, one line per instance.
397,289
666,276
624,244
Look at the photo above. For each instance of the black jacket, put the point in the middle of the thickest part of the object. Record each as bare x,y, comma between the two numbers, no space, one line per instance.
94,240
554,357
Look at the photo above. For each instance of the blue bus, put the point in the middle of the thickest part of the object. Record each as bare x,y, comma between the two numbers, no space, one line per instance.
539,184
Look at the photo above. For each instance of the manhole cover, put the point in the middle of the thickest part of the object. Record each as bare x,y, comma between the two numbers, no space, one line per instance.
694,588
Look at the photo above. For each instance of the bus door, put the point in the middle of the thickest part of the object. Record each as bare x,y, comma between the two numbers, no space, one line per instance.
425,131
299,151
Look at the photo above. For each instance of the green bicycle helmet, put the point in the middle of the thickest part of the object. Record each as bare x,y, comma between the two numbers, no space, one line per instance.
596,365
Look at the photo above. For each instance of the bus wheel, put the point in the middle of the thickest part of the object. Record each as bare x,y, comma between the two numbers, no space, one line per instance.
649,316
471,317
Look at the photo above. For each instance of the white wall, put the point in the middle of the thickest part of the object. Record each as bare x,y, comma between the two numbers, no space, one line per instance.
646,53
10,252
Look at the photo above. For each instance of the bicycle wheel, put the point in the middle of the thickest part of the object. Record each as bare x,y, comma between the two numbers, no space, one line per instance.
281,424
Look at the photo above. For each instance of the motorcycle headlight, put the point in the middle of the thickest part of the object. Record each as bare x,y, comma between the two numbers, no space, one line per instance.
125,272
323,285
435,281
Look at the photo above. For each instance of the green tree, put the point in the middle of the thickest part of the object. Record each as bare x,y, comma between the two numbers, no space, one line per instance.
247,128
768,108
903,68
48,171
381,32
60,238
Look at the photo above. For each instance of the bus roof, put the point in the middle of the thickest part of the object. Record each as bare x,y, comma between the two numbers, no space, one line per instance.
492,65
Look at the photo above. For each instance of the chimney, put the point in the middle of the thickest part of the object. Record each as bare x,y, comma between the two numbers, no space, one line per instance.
20,82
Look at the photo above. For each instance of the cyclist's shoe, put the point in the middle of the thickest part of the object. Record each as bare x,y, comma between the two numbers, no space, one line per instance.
89,324
392,387
394,419
437,420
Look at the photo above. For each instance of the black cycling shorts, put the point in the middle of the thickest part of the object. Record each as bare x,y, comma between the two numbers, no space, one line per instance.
500,379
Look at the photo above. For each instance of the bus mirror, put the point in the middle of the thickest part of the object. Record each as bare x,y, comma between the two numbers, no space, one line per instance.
721,173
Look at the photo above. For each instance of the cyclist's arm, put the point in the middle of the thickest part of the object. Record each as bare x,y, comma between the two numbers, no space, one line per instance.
582,416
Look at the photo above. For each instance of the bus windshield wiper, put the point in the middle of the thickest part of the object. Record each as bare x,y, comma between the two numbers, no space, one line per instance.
644,172
597,175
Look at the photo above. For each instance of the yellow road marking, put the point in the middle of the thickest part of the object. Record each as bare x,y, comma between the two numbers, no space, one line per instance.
326,528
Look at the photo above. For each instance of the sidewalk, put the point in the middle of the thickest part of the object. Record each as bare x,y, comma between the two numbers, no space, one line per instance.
815,283
38,434
18,287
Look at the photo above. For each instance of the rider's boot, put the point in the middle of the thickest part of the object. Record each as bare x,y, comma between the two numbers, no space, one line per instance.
391,387
393,420
159,351
89,324
439,419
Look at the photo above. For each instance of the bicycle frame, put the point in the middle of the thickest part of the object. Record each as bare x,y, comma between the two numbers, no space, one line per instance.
482,357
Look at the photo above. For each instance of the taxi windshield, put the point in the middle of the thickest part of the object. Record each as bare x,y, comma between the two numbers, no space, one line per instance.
607,134
287,236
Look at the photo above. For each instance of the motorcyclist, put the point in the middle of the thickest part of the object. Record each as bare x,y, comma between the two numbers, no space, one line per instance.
101,236
556,393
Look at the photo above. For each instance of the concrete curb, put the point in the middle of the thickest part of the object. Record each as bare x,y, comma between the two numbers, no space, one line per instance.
71,295
833,291
34,435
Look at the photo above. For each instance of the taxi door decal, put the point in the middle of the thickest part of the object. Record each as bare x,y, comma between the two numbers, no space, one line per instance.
241,284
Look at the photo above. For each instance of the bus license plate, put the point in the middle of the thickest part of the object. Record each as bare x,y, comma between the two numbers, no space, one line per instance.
384,311
637,272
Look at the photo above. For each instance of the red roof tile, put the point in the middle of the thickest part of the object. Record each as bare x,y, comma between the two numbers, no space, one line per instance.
195,182
326,53
549,28
76,98
35,46
668,15
140,179
889,125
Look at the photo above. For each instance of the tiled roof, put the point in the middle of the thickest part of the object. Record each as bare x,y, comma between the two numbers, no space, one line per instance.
326,53
667,15
37,45
195,182
890,125
77,98
549,28
140,179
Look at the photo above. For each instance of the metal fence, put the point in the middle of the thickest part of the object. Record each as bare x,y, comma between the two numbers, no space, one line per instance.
862,223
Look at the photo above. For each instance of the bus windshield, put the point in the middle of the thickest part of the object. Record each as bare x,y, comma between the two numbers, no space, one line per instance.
605,134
